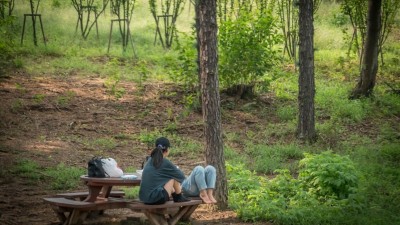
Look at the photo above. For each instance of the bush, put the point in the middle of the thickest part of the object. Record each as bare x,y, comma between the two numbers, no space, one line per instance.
7,34
282,200
328,174
246,49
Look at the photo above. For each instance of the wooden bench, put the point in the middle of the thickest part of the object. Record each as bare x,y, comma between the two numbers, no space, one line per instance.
71,211
83,195
168,213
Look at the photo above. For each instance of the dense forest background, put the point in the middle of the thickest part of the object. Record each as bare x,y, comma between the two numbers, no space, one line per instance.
143,82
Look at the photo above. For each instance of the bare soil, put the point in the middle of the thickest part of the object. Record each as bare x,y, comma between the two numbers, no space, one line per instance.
49,120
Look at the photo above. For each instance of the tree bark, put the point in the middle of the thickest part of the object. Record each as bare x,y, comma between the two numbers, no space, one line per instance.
197,26
210,96
306,123
369,65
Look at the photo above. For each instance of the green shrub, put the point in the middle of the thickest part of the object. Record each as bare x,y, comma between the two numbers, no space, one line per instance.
185,70
328,174
8,31
339,19
282,200
242,179
246,47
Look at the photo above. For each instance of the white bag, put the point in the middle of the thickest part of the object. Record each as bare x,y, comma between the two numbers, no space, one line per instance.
111,168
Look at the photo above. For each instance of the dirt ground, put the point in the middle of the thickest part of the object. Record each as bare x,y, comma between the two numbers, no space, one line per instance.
48,120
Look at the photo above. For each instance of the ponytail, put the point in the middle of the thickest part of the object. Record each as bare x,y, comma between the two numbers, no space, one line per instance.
157,156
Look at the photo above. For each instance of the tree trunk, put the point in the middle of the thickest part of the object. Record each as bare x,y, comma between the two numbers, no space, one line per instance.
369,65
197,24
210,96
306,123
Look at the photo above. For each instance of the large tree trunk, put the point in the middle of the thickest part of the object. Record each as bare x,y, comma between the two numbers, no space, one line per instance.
369,65
210,96
306,123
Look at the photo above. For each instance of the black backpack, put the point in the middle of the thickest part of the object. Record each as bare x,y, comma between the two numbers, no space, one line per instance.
95,168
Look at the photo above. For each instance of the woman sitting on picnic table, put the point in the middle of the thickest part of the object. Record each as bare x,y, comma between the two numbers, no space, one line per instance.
162,179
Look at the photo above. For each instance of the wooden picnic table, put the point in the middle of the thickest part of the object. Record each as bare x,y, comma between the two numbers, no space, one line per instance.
100,197
101,187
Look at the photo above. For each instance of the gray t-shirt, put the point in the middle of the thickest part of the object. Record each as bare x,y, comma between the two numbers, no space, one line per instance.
153,180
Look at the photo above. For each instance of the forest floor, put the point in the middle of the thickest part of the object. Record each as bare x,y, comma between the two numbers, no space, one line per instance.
48,120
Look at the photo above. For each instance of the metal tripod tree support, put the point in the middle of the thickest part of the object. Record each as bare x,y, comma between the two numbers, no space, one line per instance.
123,9
88,15
34,15
6,8
170,10
167,22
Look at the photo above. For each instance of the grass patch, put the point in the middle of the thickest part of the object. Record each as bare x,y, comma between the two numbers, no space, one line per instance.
131,192
278,133
61,177
64,177
332,102
28,169
149,137
234,157
185,147
286,112
267,159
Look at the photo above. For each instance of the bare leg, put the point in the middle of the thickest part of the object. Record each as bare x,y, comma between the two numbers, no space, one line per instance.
173,186
210,195
174,189
177,187
169,187
204,197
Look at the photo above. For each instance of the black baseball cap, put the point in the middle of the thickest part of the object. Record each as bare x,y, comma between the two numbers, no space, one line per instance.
163,142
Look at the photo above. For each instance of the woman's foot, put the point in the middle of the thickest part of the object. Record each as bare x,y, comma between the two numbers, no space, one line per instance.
212,199
205,198
210,193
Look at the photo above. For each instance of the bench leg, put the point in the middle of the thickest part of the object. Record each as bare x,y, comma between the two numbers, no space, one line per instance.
175,218
189,212
73,217
76,217
60,214
155,218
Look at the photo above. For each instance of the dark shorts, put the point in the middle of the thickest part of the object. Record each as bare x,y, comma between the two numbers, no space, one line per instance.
164,198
